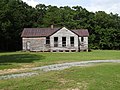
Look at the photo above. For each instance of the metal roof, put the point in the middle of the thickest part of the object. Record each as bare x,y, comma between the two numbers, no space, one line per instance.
35,32
81,32
44,32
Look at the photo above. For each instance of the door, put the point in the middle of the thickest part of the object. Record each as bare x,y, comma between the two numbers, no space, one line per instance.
28,46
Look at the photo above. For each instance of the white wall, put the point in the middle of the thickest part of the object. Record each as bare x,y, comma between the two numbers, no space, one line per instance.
36,43
85,43
64,32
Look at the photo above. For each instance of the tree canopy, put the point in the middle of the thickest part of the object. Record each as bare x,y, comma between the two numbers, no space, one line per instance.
15,15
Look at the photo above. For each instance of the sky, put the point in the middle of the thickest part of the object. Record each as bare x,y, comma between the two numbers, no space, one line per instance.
91,5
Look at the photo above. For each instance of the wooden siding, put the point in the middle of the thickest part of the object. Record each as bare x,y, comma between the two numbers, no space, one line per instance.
36,44
83,45
39,43
64,33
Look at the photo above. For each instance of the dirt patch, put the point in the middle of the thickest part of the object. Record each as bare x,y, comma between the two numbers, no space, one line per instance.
74,89
65,89
9,71
64,81
82,85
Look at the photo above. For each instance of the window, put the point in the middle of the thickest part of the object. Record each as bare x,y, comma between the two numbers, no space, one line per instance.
55,41
82,39
63,41
72,41
47,40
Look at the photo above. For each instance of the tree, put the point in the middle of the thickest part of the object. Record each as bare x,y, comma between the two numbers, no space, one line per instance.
15,15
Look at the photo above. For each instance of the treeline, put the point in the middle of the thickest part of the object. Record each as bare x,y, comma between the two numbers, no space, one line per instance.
15,15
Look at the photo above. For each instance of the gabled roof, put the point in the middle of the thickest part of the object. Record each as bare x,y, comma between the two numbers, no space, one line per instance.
36,32
81,32
44,32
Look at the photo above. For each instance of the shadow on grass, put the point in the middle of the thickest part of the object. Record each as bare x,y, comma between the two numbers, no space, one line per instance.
19,58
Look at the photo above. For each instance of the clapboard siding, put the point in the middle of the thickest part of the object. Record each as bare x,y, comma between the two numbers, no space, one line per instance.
38,43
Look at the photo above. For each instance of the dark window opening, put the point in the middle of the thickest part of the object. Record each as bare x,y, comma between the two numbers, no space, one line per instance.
47,40
63,41
82,39
72,41
55,41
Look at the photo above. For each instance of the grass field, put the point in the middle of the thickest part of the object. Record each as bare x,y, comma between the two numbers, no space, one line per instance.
96,77
10,60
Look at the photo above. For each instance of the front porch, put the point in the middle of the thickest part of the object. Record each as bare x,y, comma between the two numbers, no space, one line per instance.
60,48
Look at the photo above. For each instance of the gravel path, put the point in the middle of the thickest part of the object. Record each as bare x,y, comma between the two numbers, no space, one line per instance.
57,67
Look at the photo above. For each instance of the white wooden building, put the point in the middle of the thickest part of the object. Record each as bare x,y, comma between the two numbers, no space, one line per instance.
55,39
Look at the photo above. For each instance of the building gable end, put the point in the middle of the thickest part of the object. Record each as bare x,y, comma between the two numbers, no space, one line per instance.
64,31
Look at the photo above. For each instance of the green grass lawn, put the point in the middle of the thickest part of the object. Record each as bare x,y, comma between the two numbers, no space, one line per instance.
98,77
10,60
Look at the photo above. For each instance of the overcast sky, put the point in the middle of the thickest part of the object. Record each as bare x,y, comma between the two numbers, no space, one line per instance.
91,5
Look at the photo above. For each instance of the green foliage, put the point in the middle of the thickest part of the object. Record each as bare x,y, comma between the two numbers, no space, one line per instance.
15,15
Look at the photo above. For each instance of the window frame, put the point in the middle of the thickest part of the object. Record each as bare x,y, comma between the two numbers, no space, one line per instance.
63,41
82,39
47,40
72,42
56,42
